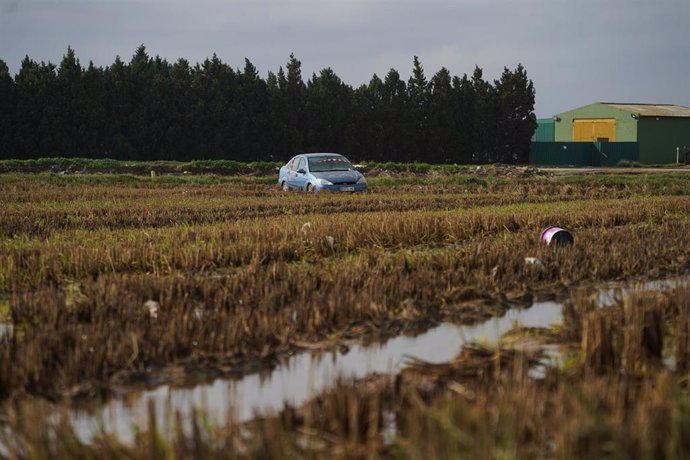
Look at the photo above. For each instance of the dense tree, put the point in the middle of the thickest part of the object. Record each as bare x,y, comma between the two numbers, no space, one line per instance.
215,115
148,109
394,119
329,113
417,112
277,135
369,128
254,142
464,105
515,120
33,126
292,105
483,112
7,110
178,141
94,134
66,107
442,120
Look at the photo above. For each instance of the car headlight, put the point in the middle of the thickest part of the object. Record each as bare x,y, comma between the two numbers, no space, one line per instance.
362,180
324,182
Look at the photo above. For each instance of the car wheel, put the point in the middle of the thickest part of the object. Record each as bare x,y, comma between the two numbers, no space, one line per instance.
310,187
284,186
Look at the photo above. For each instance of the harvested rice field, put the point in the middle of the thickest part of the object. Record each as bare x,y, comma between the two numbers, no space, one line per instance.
219,317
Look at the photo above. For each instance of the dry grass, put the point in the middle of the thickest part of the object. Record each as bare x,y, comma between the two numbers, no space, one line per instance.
237,292
482,404
240,280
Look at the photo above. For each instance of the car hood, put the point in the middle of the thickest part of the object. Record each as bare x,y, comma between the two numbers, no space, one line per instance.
338,176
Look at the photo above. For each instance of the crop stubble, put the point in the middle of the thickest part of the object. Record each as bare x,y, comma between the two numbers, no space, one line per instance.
241,280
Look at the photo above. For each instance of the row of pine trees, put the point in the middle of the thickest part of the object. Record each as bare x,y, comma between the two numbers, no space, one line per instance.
150,109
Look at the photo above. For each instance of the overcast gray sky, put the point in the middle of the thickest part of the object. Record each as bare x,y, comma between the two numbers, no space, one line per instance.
575,51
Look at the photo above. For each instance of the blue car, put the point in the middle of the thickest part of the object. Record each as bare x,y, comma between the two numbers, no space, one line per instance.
313,172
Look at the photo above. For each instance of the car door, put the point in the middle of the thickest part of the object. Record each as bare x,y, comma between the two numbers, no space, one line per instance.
290,172
300,173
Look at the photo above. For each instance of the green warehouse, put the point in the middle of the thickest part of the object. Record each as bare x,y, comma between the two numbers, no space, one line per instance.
659,129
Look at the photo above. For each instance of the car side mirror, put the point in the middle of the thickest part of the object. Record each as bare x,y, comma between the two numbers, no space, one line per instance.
301,171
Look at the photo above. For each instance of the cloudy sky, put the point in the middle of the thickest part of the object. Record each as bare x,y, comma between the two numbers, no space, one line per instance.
575,51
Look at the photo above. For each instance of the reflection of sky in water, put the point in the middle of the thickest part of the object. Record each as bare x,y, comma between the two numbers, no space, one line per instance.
5,329
305,374
608,296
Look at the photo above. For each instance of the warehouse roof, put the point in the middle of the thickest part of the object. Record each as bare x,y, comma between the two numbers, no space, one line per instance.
653,110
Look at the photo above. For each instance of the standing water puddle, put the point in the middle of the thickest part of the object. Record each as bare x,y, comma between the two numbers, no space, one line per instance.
304,375
5,329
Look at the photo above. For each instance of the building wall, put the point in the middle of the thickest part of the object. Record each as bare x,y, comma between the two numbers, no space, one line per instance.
659,137
544,131
582,153
626,126
561,154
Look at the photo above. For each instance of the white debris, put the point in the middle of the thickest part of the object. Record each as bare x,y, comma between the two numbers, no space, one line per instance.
153,173
535,262
306,228
330,241
494,271
152,307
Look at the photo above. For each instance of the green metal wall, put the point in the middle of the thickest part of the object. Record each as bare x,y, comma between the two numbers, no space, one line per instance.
545,130
659,137
626,126
612,153
582,153
561,153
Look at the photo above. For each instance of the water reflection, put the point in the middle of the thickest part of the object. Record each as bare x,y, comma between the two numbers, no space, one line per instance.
304,375
611,294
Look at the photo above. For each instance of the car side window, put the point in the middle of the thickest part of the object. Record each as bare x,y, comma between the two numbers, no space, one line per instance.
291,165
300,164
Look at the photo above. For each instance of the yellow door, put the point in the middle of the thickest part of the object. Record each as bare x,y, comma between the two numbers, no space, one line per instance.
594,129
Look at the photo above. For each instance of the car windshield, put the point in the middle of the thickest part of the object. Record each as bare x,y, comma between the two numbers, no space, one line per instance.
330,163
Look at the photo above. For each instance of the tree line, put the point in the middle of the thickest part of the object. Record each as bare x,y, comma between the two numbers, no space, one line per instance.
151,109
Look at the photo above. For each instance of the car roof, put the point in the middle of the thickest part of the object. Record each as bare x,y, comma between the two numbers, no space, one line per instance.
311,155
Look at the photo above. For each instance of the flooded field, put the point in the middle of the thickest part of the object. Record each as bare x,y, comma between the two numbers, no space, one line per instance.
333,325
300,377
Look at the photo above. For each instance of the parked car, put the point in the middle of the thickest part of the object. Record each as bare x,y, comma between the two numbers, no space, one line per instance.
313,172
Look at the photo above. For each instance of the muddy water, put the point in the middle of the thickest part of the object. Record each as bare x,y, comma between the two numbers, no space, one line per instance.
306,374
5,327
608,295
